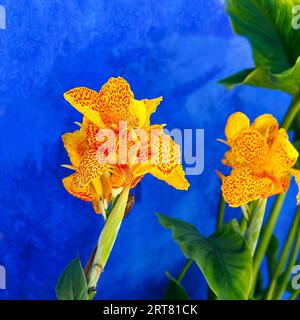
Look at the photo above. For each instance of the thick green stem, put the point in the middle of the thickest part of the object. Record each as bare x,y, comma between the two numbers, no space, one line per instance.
107,239
185,269
255,224
291,113
221,211
291,263
243,225
284,255
265,237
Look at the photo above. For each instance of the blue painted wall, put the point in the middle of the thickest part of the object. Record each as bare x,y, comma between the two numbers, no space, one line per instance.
175,48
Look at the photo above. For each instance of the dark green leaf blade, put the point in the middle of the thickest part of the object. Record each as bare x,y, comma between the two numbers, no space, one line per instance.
236,79
175,290
72,283
287,81
267,25
224,258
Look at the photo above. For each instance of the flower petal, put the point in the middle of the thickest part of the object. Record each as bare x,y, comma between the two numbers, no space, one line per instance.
242,186
283,154
88,170
164,162
281,184
249,148
236,123
151,106
83,194
296,174
117,103
90,131
267,125
75,144
229,159
86,102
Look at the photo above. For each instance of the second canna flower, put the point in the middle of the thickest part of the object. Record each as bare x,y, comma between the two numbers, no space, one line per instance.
261,157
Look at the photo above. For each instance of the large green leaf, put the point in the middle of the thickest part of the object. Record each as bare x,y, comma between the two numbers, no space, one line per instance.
72,283
175,290
267,24
224,258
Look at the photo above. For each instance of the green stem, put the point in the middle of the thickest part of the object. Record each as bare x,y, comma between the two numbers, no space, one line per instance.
291,263
185,269
291,113
255,224
106,240
265,238
221,212
283,258
243,224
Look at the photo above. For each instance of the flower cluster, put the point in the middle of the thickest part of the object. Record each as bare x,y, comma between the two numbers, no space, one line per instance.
91,148
261,157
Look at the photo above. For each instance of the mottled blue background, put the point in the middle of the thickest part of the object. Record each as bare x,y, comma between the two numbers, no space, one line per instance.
175,48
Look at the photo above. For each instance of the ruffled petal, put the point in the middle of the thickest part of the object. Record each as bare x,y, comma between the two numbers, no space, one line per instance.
281,184
151,106
164,162
117,103
84,194
90,131
229,159
86,102
236,123
75,144
296,174
283,154
242,187
267,125
88,170
249,148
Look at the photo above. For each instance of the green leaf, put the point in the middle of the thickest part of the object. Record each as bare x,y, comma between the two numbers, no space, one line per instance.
287,81
272,255
72,283
267,25
175,291
224,258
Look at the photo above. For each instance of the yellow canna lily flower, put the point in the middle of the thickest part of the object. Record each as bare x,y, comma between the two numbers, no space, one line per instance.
261,157
99,178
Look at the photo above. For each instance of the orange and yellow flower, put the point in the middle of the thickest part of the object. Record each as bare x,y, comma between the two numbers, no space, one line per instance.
97,181
261,157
